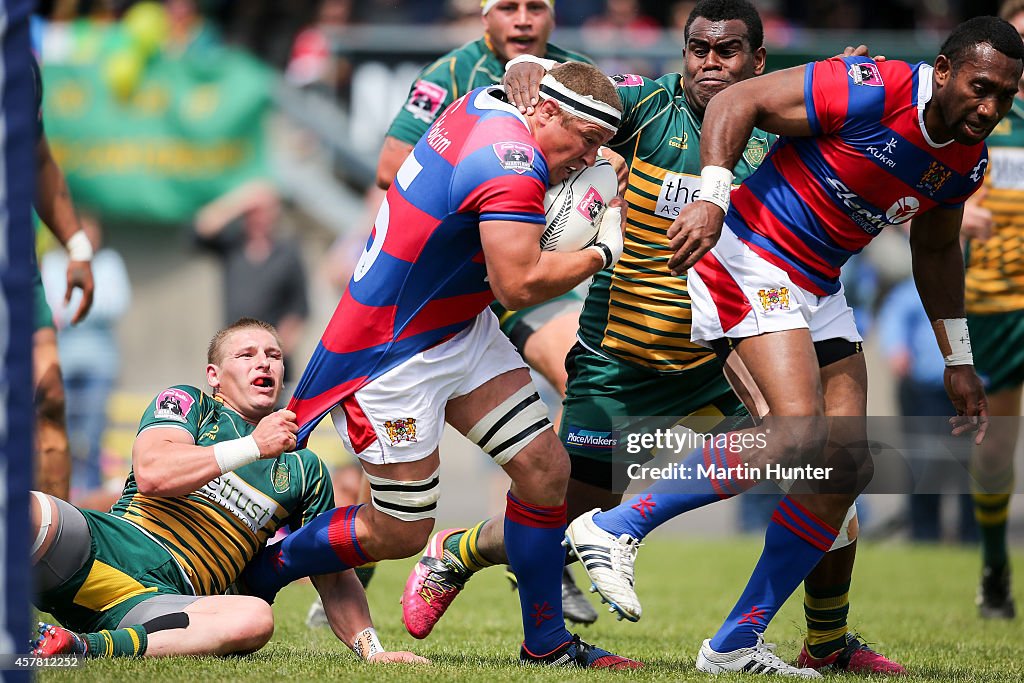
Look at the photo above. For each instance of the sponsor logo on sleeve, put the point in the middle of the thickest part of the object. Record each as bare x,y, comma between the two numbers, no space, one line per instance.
627,80
425,100
173,404
401,429
514,156
591,205
596,439
865,73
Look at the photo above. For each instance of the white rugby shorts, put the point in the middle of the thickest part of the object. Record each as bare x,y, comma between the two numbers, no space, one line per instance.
735,293
399,417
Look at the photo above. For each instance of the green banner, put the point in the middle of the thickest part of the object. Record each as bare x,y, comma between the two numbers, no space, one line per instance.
154,145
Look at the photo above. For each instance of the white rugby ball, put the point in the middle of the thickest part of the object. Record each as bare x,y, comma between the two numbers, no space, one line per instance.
574,207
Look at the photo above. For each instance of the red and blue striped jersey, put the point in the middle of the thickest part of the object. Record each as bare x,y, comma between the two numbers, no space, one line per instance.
422,277
817,200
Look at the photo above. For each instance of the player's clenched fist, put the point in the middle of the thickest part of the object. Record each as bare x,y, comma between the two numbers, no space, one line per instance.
275,433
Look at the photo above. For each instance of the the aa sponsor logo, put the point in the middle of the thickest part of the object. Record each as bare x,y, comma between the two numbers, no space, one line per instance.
676,192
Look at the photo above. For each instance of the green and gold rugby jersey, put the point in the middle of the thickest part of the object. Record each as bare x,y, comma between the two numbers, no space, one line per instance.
640,313
215,531
471,66
995,268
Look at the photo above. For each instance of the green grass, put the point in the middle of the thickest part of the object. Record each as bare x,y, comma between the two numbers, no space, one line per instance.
916,604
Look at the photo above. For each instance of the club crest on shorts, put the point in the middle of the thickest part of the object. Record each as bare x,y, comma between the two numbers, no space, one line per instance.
173,404
402,429
281,477
865,73
774,299
514,156
591,205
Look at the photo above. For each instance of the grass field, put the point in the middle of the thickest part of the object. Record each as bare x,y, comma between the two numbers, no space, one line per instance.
916,604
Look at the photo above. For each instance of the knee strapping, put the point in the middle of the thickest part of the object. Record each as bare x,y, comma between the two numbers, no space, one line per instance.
848,531
409,501
512,425
45,519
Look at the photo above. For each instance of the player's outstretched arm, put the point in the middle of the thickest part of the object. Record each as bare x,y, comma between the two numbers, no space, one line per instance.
939,274
344,602
167,462
55,208
774,102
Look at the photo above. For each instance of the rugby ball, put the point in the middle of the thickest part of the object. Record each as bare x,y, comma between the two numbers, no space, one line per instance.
574,207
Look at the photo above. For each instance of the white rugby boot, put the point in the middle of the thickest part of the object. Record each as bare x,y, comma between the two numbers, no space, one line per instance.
759,659
608,561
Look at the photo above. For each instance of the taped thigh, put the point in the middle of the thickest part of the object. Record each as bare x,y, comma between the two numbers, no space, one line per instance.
155,608
71,546
848,530
409,501
512,425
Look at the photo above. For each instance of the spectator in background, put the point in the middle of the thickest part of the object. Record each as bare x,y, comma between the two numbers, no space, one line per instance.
623,23
315,58
908,343
264,276
188,29
89,354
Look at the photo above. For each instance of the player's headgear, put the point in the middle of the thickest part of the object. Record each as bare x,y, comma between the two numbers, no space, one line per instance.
486,5
585,107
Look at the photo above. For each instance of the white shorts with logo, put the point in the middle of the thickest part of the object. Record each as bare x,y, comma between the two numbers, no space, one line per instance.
399,417
735,293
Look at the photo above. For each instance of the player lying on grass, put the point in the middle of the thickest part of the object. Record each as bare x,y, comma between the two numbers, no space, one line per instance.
212,479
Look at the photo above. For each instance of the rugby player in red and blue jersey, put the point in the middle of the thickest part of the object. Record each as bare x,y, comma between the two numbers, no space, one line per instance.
866,145
413,345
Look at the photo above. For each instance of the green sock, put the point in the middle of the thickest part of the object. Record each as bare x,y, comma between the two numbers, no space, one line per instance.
461,548
991,508
826,611
123,642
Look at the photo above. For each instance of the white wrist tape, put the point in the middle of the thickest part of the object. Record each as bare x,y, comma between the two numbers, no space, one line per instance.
235,453
79,247
715,186
954,341
548,64
367,644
